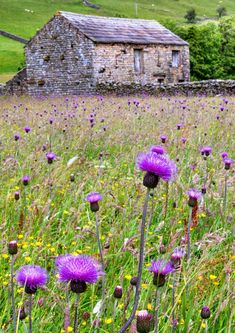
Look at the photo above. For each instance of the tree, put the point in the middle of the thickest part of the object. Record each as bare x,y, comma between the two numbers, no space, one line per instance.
221,11
190,16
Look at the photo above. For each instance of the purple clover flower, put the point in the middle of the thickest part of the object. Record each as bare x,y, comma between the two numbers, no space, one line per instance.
156,166
158,150
78,270
31,277
94,198
193,197
160,269
50,157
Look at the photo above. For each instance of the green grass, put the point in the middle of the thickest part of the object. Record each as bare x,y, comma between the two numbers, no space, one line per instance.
16,20
48,222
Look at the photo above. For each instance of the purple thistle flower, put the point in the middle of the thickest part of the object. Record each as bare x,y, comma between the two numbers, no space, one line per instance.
160,269
61,260
94,198
31,277
205,312
79,270
176,256
27,129
207,150
157,166
224,154
227,163
179,126
193,197
163,138
144,322
25,180
158,150
183,140
50,157
16,137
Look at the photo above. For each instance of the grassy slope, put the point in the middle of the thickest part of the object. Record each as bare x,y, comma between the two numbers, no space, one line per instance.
15,18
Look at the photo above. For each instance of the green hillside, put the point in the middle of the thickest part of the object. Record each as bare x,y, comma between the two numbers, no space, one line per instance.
24,17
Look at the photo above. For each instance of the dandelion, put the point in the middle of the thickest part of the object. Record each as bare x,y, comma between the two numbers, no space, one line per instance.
31,277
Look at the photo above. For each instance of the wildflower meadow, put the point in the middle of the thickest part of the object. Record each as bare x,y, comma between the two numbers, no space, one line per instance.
117,214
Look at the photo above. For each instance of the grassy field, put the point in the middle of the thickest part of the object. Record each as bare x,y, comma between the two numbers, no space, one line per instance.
26,16
52,216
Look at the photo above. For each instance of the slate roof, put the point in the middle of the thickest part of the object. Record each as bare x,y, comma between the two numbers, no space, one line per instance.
120,30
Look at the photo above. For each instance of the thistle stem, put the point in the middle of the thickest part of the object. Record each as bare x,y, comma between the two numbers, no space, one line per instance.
206,329
188,235
173,301
102,264
157,305
30,314
114,314
67,311
167,199
140,266
76,313
12,293
225,191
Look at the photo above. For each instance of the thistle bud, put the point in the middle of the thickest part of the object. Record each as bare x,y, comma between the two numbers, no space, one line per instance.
72,177
118,292
134,281
23,314
17,195
205,312
12,247
144,322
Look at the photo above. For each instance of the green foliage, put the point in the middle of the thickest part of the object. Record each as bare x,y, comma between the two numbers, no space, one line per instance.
190,16
227,30
212,49
221,11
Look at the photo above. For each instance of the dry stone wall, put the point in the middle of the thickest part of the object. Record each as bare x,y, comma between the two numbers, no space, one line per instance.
59,61
115,63
196,88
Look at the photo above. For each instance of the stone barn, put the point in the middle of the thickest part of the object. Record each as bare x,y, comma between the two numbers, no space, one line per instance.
75,54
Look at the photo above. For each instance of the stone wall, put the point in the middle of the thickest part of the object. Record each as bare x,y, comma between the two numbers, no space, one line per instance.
115,63
196,88
17,85
59,60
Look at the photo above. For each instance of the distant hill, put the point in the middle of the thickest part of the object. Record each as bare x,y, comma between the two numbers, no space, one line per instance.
24,17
